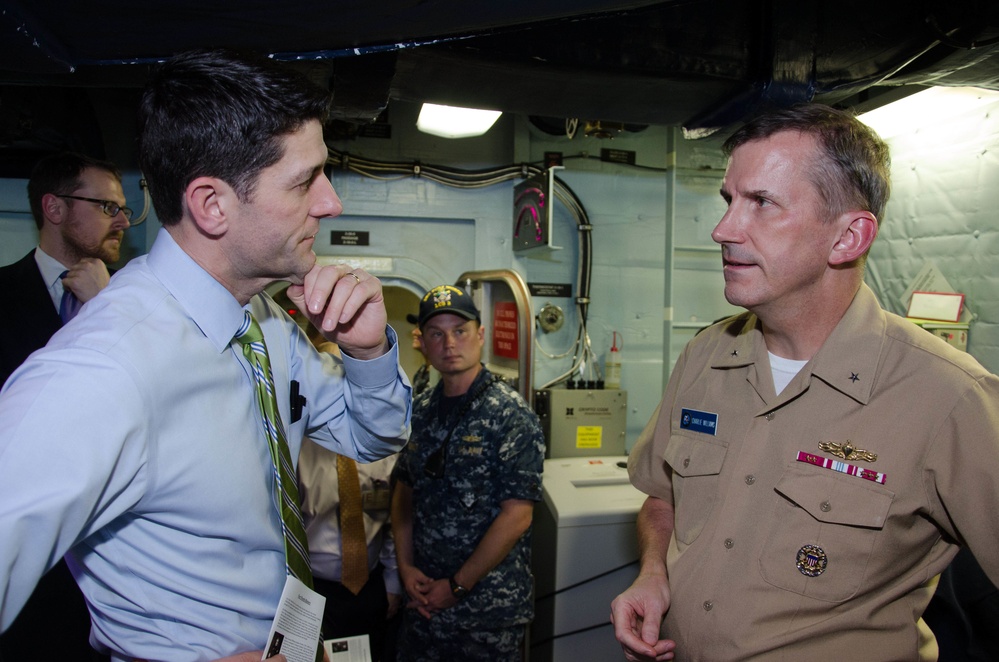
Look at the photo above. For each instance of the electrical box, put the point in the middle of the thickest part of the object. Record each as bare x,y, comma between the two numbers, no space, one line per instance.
533,211
581,422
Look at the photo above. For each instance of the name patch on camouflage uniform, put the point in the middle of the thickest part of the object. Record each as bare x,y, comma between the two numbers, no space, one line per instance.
470,445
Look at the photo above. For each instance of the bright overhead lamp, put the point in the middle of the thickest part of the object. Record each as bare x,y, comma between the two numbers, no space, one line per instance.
455,122
926,108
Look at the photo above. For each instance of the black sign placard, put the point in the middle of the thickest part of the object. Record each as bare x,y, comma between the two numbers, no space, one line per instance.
550,289
349,238
617,156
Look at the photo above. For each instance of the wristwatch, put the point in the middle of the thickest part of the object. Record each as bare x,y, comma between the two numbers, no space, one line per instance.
457,590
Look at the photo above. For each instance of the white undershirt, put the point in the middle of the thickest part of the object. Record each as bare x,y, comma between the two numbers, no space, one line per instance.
784,370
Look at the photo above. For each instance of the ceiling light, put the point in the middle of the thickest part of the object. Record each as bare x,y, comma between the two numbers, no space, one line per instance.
455,122
926,108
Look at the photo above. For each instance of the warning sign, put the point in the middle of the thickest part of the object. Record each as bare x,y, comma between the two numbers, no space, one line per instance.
505,337
589,436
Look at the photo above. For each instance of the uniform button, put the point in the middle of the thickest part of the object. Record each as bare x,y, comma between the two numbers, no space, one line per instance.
769,416
750,479
729,543
686,463
825,506
708,605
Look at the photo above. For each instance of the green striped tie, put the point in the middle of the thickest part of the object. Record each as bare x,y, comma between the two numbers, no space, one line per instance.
296,546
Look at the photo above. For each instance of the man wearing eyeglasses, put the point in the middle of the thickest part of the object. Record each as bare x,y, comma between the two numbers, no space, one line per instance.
78,206
464,498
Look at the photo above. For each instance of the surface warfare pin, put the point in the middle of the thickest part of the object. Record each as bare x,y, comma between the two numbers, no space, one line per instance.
847,451
811,561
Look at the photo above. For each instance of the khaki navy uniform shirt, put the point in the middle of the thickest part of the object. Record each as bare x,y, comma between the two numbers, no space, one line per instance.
783,551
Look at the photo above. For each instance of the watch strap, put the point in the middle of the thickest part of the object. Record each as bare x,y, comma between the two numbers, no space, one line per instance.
457,590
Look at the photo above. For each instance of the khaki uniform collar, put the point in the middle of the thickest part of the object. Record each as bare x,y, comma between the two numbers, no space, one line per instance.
847,361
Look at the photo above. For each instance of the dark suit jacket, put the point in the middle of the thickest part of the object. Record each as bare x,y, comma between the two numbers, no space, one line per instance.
29,319
56,608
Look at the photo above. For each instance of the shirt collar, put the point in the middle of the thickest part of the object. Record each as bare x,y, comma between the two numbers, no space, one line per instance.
438,391
212,307
50,268
745,345
847,360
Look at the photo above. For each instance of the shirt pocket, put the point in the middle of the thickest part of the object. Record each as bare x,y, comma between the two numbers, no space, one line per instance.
696,462
842,516
468,479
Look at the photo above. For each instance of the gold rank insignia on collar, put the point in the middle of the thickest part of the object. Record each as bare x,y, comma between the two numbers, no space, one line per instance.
847,451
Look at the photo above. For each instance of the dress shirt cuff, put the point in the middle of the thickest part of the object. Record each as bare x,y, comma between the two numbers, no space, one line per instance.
376,372
392,582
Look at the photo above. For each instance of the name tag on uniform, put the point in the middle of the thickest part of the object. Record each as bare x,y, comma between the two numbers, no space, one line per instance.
698,421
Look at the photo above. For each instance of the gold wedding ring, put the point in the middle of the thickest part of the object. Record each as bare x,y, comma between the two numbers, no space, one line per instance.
351,273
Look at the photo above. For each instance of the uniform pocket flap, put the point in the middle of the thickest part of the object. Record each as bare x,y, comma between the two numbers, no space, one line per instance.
689,456
837,499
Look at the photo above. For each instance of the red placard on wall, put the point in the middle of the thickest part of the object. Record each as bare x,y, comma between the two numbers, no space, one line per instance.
505,339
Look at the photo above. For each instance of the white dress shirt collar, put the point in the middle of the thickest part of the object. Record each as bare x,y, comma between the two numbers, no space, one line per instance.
51,270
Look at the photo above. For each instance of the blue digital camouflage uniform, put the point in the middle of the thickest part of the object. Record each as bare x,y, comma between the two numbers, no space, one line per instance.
496,453
421,380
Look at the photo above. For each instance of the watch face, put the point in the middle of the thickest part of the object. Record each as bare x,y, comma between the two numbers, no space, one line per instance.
457,589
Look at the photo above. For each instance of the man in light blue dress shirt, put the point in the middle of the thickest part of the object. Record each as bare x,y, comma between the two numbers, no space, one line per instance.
78,206
133,441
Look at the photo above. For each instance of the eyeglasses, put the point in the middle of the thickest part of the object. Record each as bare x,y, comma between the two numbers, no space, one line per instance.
109,207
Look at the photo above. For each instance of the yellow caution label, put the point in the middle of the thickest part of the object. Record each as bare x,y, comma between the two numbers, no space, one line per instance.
589,436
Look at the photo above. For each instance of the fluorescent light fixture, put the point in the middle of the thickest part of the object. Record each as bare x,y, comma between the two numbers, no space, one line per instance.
455,122
926,108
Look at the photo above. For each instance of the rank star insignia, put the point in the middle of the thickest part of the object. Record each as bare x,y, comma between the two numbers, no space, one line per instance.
854,376
735,352
847,451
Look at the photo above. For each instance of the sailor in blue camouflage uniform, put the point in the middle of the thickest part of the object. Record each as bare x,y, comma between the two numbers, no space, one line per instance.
465,493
